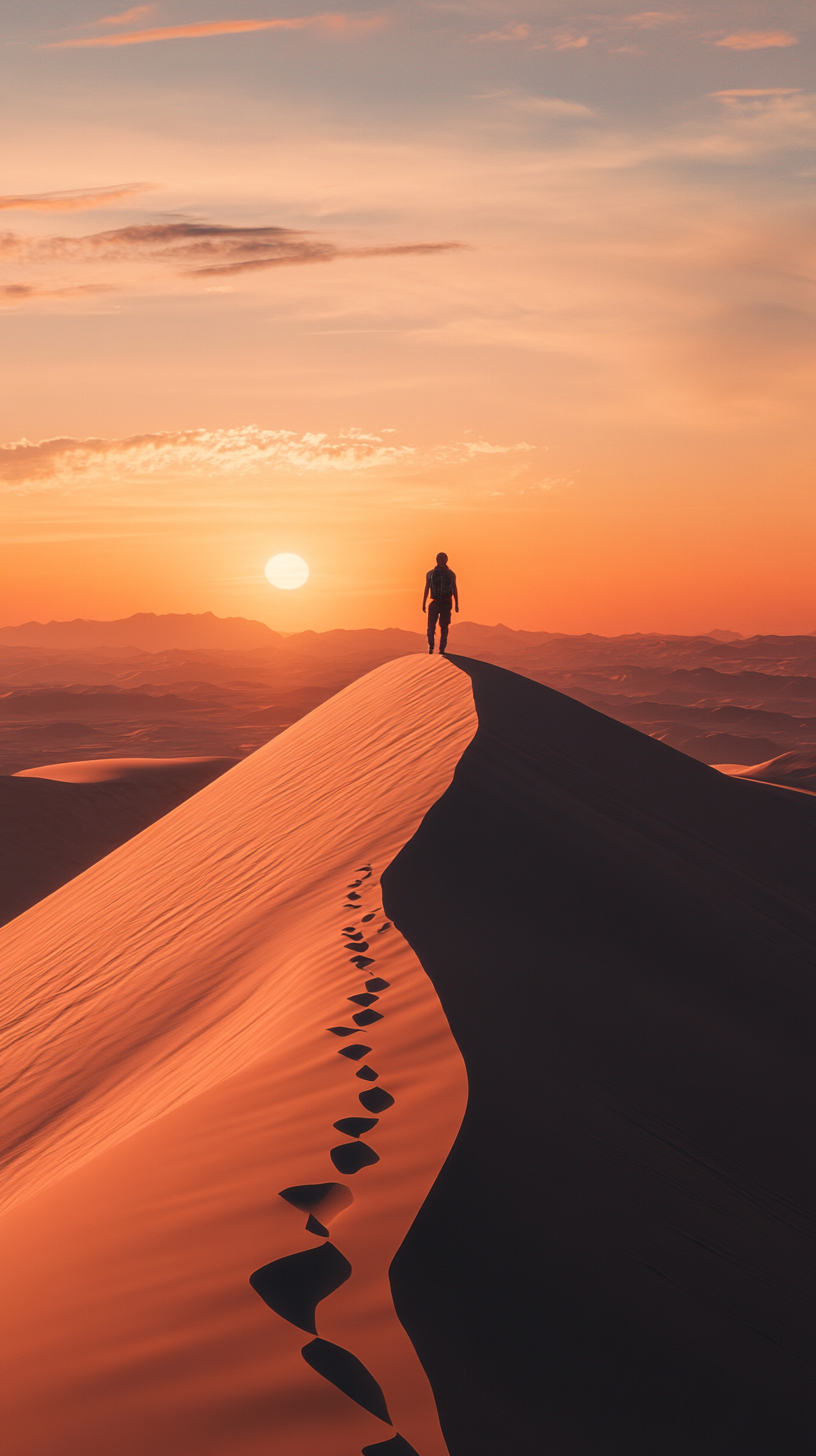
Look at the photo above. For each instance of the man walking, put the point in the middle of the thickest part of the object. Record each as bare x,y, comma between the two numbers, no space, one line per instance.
440,585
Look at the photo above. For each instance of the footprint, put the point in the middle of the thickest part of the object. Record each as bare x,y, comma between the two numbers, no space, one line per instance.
348,930
349,1158
368,1074
354,935
353,896
397,1446
361,961
327,1199
366,918
386,926
348,1374
355,1052
313,1227
355,1126
354,885
377,984
294,1286
364,869
357,944
341,1030
367,1018
364,998
376,1100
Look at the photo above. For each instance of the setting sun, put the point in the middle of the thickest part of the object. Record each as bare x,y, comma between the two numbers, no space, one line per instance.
286,571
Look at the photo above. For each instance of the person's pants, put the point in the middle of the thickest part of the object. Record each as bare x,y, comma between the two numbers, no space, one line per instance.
439,612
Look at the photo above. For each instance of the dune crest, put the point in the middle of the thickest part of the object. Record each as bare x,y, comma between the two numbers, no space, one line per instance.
183,1067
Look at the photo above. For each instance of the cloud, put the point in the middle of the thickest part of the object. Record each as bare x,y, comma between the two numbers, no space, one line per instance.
519,30
82,199
752,91
192,250
565,41
138,12
651,19
338,21
66,462
552,106
757,40
322,253
24,292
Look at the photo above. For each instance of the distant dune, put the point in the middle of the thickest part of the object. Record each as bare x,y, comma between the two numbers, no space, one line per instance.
61,819
604,944
792,770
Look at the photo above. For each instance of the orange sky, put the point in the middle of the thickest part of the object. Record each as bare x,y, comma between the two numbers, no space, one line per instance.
523,285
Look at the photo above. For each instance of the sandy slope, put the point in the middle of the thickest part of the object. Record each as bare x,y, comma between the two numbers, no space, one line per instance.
170,1072
59,820
615,1259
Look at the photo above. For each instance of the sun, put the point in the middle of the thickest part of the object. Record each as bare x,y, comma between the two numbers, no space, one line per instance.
286,571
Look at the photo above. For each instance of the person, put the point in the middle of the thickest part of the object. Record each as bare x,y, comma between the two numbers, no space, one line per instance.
440,586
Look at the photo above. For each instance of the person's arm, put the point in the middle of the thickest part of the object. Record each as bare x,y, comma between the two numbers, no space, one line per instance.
425,594
455,592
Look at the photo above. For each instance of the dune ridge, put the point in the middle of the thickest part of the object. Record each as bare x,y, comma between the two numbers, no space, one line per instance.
172,1073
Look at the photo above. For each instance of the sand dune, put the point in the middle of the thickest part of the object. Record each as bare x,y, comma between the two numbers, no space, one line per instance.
61,819
614,1257
791,770
172,1073
605,1256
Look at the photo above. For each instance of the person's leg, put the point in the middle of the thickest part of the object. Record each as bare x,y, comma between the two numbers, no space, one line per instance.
444,623
433,613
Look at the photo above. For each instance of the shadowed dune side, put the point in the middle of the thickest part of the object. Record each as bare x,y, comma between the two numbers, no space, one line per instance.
59,820
615,1256
176,1092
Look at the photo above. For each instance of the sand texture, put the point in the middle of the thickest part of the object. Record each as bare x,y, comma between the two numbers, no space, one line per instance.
172,1072
617,1257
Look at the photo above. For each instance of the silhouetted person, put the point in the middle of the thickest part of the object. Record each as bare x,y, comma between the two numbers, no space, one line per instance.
440,585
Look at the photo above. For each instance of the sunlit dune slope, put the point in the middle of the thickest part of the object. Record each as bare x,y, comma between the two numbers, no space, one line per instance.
791,770
616,1256
60,819
171,1072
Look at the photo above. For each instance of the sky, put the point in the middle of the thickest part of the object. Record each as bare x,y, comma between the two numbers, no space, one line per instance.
530,284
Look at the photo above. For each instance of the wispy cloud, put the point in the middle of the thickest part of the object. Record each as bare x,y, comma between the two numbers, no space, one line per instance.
549,106
191,250
63,462
324,253
757,40
24,292
333,21
81,199
515,30
652,19
736,93
126,17
565,40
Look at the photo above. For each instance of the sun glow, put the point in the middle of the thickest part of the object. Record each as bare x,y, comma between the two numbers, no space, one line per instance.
286,571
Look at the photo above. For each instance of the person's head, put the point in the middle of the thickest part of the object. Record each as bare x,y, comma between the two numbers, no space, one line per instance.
441,558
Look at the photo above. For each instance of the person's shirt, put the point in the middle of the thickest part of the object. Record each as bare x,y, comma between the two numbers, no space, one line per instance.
441,583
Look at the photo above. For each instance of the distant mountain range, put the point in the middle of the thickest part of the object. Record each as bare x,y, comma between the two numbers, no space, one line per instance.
153,632
146,631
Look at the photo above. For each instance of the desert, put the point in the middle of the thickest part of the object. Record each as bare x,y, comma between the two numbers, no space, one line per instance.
407,729
569,1062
